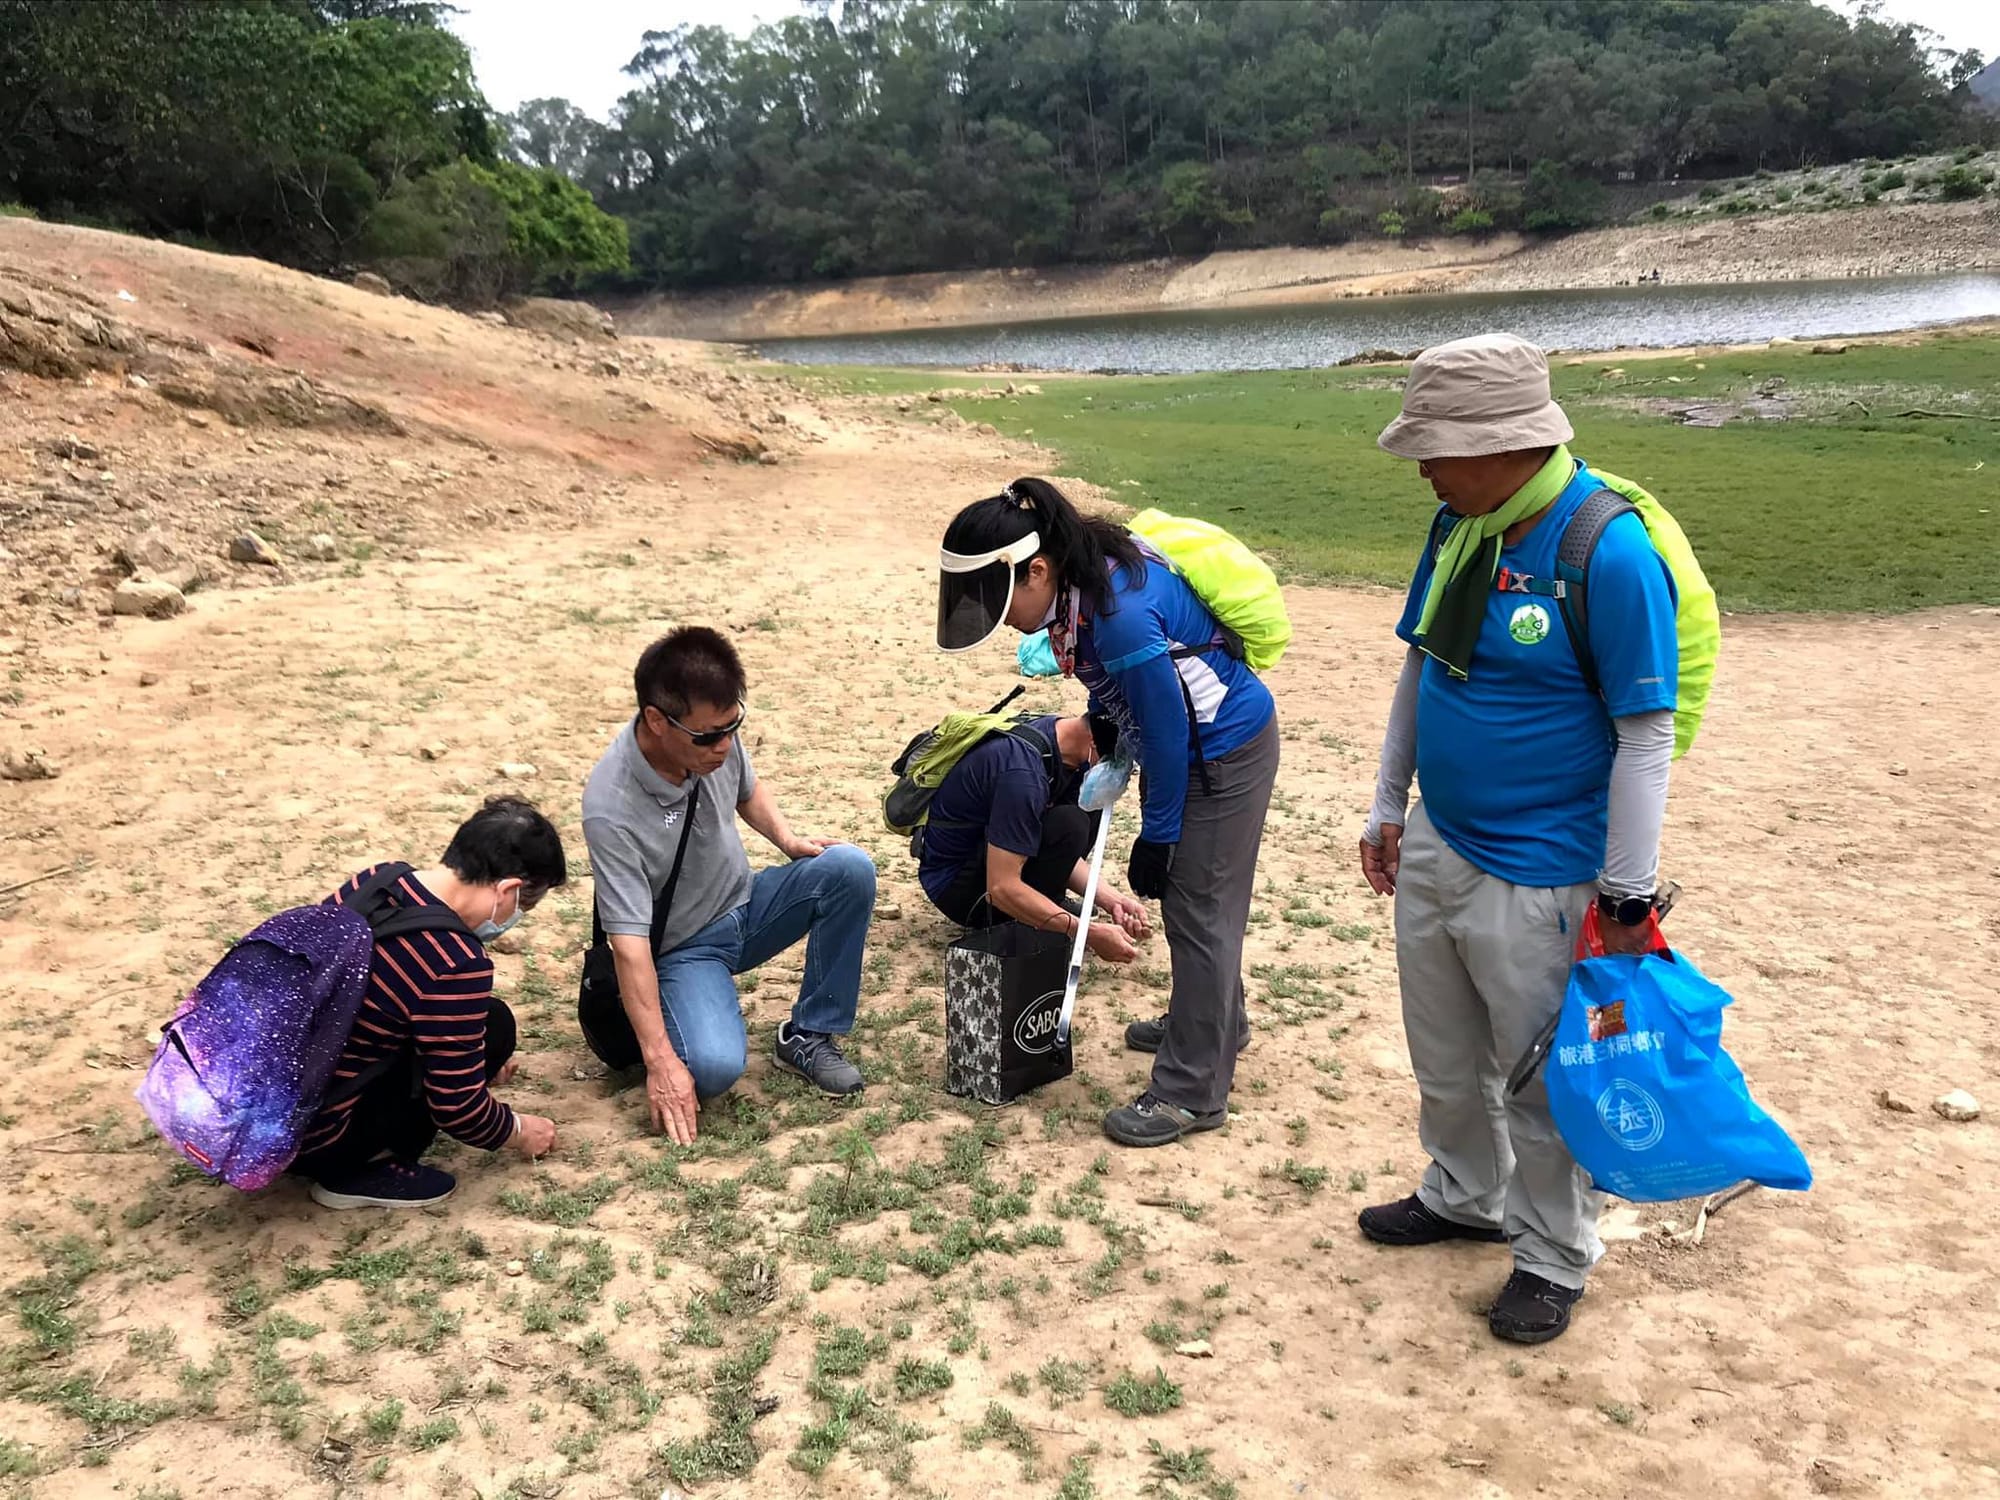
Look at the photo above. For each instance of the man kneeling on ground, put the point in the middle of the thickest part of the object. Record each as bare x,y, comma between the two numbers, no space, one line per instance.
430,1035
683,755
1005,838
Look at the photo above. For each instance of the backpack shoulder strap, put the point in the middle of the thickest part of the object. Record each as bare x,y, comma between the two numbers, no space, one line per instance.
372,901
1573,553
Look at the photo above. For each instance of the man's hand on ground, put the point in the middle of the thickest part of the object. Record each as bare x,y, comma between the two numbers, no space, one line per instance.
671,1099
535,1137
507,1070
1380,861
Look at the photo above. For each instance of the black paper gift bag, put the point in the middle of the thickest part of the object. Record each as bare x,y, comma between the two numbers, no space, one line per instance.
1003,990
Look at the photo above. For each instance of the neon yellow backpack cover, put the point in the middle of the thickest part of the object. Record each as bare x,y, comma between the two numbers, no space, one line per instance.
1235,583
1697,618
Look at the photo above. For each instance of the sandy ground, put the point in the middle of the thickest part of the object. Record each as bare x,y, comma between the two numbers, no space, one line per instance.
1836,830
1890,240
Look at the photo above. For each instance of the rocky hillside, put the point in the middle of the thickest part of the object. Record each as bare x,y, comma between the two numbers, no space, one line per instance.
178,422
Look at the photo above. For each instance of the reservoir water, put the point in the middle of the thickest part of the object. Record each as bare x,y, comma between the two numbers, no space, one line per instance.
1313,335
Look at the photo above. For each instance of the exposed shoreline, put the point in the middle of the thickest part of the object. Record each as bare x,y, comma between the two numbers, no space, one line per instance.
1887,240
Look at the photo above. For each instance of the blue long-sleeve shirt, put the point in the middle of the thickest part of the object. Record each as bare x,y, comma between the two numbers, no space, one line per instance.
1125,656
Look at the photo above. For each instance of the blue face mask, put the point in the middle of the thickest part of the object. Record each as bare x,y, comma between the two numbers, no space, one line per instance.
489,929
1103,784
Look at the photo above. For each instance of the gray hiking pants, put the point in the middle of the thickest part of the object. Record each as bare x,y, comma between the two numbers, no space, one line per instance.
1204,912
1483,965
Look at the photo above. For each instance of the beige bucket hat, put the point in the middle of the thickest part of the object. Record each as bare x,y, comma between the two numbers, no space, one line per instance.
1471,397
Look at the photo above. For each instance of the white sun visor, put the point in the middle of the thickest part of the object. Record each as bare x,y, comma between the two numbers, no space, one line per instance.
974,591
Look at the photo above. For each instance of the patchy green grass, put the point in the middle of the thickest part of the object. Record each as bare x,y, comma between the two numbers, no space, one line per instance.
1131,1396
1846,505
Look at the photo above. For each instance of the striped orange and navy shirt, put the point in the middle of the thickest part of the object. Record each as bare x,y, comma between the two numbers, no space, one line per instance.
428,991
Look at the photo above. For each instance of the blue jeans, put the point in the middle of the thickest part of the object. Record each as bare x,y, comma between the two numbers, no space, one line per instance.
828,900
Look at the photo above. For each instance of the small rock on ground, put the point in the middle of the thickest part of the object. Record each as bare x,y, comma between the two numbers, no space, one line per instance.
368,281
152,598
517,770
434,750
248,547
1893,1103
1957,1106
147,679
320,547
27,765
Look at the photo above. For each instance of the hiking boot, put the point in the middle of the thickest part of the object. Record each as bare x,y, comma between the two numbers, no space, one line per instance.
385,1184
1408,1222
1146,1036
1531,1309
816,1057
1150,1121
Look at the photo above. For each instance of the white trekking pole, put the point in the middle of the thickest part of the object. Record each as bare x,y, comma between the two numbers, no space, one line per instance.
1102,787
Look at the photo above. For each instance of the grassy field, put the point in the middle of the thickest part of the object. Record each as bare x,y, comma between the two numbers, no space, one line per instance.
1841,505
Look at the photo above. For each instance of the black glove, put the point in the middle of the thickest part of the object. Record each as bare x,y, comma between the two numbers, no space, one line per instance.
1147,872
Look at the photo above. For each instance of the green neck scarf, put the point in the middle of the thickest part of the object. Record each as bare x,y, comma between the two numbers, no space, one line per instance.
1455,603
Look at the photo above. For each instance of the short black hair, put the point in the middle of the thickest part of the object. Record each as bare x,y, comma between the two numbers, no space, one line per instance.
507,839
1103,734
688,666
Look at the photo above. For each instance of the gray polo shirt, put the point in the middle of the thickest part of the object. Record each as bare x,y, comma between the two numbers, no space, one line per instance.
632,825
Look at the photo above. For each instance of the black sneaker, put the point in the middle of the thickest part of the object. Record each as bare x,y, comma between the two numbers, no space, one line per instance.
385,1184
1150,1121
1147,1036
1408,1222
816,1057
1531,1309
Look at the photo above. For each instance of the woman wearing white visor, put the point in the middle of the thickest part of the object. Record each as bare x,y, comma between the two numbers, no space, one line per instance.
1204,731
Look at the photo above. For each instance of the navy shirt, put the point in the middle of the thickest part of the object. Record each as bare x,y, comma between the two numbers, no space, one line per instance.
1514,764
997,794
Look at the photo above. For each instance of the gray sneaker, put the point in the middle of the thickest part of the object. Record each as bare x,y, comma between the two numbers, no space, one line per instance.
1146,1036
816,1057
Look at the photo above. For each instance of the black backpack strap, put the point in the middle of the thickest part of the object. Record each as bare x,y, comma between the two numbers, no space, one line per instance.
1573,553
663,903
374,901
1181,653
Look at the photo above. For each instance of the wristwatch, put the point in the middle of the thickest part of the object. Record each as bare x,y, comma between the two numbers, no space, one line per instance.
1627,911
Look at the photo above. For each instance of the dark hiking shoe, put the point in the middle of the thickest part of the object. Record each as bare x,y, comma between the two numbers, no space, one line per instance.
1150,1121
1531,1309
1408,1222
1146,1036
385,1184
816,1057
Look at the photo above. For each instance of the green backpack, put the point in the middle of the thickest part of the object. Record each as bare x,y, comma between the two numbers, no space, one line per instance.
1236,584
929,757
1697,619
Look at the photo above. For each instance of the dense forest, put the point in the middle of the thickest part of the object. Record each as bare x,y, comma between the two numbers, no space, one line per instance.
863,136
907,134
322,133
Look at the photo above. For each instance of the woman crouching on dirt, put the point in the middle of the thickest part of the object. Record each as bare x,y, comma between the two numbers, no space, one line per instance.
1204,731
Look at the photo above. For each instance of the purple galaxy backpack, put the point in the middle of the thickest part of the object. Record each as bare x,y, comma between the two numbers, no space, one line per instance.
243,1066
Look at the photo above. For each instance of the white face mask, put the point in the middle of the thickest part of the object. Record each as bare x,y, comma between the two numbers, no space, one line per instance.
490,929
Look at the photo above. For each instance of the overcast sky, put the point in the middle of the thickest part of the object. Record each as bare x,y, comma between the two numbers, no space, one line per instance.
577,50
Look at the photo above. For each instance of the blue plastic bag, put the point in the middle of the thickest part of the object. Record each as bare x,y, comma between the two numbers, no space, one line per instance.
1036,656
1646,1099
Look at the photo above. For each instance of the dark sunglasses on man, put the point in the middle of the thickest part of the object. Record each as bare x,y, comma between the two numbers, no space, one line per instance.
707,738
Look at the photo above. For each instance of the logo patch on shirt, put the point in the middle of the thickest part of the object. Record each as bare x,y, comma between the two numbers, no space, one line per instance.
1529,625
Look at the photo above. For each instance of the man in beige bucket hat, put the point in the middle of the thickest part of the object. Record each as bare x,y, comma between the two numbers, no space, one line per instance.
1508,715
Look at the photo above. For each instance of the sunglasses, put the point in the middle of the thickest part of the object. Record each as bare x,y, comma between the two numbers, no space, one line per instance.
707,738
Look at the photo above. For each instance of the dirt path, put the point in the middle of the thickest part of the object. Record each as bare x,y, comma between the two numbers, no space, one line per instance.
1836,829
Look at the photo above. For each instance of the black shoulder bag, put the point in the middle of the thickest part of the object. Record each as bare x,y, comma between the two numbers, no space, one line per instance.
599,1010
